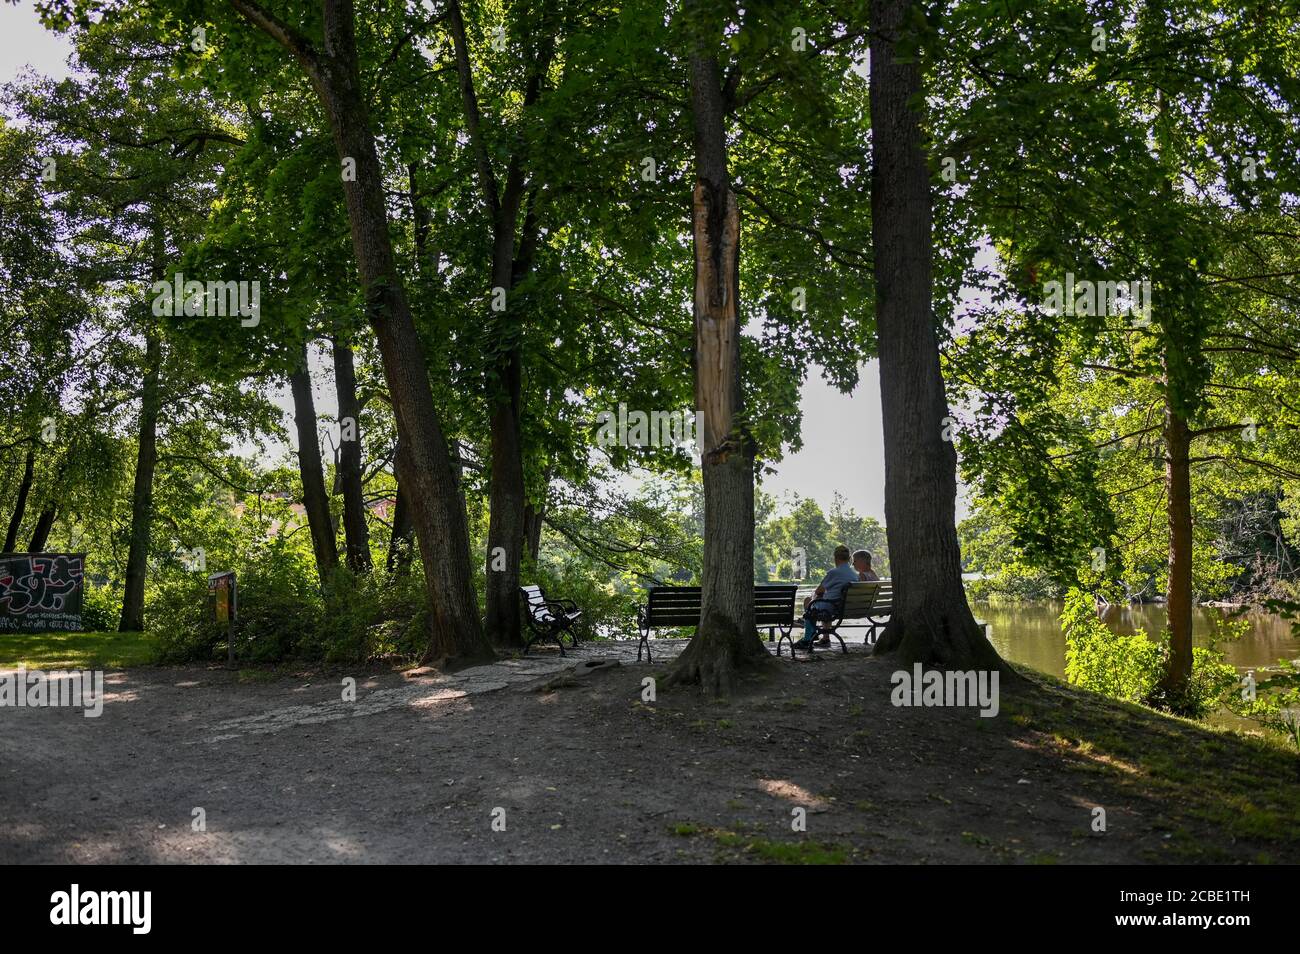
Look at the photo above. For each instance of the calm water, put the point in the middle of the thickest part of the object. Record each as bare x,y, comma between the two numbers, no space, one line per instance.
1030,633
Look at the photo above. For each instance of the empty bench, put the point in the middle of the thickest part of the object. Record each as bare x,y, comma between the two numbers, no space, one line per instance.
548,619
863,605
673,606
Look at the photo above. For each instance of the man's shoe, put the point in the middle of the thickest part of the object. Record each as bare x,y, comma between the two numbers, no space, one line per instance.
806,644
824,641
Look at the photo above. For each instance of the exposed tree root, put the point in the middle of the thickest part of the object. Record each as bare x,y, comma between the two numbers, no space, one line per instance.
716,657
947,640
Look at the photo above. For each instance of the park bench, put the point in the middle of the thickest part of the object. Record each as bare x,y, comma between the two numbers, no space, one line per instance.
863,605
548,619
670,606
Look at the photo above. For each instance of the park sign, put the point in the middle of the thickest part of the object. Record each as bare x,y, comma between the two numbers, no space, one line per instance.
41,592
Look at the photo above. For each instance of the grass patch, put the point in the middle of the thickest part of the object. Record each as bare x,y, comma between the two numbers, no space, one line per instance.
783,852
1243,785
49,651
766,849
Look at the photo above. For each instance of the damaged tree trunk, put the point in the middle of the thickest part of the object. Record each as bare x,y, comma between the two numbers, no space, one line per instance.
726,641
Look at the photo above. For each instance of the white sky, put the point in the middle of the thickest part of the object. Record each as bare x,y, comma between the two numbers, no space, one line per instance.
843,442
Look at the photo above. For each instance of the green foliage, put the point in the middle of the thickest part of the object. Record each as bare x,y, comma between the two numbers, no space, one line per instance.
101,608
1130,667
1097,658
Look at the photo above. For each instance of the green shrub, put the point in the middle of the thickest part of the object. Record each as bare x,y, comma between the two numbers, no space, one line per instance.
1131,667
176,613
101,609
279,603
1097,658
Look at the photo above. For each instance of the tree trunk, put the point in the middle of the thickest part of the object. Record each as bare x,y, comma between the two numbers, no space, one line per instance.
44,523
931,622
456,634
534,518
506,500
402,541
349,467
146,462
726,641
20,505
506,508
315,499
1178,486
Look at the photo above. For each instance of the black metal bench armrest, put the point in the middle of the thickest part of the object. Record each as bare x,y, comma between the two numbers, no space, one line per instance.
557,609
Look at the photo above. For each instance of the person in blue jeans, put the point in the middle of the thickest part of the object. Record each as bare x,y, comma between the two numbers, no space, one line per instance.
828,595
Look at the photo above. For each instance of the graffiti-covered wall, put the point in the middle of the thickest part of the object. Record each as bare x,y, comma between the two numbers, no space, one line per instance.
40,592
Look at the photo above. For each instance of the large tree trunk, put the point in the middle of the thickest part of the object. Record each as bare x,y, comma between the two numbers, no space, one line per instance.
726,640
1178,486
146,462
44,524
931,622
349,468
315,499
456,634
506,518
507,499
20,505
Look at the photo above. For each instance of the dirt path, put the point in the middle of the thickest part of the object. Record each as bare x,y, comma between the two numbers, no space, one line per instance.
417,769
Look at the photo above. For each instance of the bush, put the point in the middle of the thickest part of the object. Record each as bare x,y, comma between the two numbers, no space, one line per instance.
101,609
1131,668
279,603
176,613
1097,658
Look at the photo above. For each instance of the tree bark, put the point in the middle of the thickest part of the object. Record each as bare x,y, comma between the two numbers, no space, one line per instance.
20,504
1178,487
402,540
356,534
456,634
931,622
534,519
726,641
44,524
507,497
146,462
315,499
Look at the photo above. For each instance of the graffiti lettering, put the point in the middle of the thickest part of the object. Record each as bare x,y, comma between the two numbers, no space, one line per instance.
40,591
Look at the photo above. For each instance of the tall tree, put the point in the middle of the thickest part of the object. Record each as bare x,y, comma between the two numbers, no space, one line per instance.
512,253
726,640
146,462
931,622
332,65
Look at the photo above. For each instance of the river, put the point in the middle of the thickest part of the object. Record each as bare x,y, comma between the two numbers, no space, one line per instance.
1030,633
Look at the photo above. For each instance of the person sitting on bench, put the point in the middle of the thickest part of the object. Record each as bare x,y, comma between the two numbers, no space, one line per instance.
862,563
822,604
